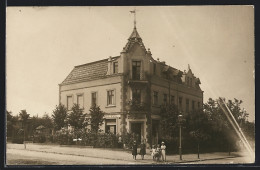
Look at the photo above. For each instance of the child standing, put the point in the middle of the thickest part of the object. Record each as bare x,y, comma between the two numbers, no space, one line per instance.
158,152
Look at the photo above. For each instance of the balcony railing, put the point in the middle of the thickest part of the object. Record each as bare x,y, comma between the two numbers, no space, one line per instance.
135,106
139,76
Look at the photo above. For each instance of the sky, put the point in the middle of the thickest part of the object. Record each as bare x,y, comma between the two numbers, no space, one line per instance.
43,44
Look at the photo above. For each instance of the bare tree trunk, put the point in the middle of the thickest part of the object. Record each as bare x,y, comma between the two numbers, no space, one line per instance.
198,150
24,136
229,149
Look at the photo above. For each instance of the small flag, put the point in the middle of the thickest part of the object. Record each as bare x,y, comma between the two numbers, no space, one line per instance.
132,11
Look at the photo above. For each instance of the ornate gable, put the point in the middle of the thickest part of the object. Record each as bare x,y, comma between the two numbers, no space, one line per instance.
133,40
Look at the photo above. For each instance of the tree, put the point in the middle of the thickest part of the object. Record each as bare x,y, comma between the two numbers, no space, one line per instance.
96,118
222,132
47,121
169,121
9,116
240,114
9,123
59,116
198,127
24,117
76,118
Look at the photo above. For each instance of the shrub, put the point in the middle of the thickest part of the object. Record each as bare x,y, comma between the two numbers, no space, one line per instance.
18,140
100,140
128,140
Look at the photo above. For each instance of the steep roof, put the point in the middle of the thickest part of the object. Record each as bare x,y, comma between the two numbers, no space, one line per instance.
86,72
134,38
134,34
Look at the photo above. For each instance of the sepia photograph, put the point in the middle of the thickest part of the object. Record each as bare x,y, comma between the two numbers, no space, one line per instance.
130,85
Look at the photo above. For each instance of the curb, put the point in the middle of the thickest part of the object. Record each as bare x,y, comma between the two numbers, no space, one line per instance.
199,160
141,161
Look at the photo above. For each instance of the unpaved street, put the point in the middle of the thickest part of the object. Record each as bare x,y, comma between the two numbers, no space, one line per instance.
16,157
44,154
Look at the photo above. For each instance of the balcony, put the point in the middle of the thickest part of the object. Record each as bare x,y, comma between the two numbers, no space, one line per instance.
135,106
138,76
138,80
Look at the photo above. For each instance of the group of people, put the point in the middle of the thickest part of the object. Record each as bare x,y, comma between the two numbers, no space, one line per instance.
142,150
158,151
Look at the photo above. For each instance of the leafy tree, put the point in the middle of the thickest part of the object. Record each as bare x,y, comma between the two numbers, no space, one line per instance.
59,116
169,121
24,118
239,114
9,123
222,132
198,127
47,121
9,116
76,118
96,118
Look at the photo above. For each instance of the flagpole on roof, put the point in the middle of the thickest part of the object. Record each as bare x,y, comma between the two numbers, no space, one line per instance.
134,11
135,19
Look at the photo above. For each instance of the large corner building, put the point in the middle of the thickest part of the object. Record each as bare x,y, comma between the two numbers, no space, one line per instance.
130,89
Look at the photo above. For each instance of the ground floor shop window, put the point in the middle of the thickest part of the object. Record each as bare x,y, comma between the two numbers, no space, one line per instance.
110,126
111,129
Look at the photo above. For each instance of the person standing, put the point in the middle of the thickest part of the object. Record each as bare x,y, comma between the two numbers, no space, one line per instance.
163,152
134,150
153,152
142,149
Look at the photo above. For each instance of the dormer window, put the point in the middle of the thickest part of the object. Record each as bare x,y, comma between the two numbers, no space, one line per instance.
115,67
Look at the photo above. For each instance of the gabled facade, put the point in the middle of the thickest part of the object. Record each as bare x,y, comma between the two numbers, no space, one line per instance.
130,88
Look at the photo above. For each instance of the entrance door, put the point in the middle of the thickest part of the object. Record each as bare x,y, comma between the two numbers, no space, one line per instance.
136,130
155,129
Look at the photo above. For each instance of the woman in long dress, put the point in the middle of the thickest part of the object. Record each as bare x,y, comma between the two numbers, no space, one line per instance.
142,150
134,150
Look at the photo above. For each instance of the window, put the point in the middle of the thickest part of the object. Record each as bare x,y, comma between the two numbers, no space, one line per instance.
198,105
190,81
69,102
154,68
180,103
110,126
136,70
136,95
164,98
155,98
93,98
111,97
193,105
80,101
172,99
115,67
187,105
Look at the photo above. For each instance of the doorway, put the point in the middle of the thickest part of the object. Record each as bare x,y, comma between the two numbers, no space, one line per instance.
155,131
136,129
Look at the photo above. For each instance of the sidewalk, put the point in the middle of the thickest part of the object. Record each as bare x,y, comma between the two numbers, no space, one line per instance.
116,154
